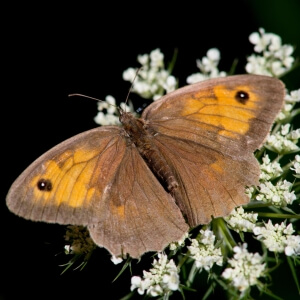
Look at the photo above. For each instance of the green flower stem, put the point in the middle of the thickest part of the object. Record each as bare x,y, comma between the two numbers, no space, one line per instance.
287,167
294,273
295,112
296,188
260,152
194,270
173,61
183,259
256,204
221,230
278,216
276,128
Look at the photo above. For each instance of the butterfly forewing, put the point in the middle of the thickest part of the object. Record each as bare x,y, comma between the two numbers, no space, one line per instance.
60,185
232,115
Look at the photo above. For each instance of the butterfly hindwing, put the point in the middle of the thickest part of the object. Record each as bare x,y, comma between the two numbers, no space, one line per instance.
141,215
209,183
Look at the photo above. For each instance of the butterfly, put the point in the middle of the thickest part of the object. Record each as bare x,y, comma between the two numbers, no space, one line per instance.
140,186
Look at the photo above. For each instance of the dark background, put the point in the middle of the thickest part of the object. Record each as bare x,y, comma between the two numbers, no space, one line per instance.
52,51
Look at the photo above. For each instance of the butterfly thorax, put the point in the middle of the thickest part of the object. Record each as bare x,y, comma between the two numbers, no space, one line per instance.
135,128
143,138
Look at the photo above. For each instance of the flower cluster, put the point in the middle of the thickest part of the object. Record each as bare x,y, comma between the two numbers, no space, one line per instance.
280,195
291,99
269,169
152,80
245,268
179,244
204,251
208,67
239,220
108,113
162,279
278,238
276,59
284,141
292,247
296,166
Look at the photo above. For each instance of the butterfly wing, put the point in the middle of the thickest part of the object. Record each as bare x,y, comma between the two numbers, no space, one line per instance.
99,180
211,184
207,133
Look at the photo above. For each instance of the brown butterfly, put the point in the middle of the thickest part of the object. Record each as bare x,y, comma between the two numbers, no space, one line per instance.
141,186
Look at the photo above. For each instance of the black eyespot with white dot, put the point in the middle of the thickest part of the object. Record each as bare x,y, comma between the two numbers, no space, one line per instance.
44,185
242,97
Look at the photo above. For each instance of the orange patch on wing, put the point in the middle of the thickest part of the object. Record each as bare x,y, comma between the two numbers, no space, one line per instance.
85,155
70,177
79,190
53,173
222,110
119,210
218,166
90,193
63,156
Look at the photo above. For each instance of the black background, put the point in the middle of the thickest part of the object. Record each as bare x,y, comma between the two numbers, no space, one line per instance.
51,51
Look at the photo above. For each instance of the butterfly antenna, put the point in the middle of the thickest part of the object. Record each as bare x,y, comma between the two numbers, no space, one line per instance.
131,87
119,109
89,97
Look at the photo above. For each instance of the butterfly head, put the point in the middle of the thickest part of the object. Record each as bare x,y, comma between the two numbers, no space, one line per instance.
124,117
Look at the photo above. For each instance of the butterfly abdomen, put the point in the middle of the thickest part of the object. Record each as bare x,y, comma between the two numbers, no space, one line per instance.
157,164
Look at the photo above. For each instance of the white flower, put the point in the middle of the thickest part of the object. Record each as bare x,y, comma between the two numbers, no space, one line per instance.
116,260
238,220
152,81
279,195
284,55
275,236
250,191
208,67
296,164
110,116
283,141
103,119
169,83
293,96
256,65
180,243
269,170
210,62
245,268
204,252
162,279
193,78
156,59
292,247
143,59
262,40
275,58
129,74
290,100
